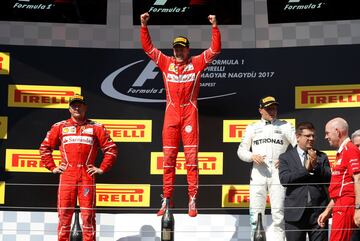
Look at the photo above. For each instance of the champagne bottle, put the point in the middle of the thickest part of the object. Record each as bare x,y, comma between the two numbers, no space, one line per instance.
76,232
259,234
167,224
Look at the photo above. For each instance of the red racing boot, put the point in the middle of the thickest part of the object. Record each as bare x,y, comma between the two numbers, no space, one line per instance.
163,205
192,207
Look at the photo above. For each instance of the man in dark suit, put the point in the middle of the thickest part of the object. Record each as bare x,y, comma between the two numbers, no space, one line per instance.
304,172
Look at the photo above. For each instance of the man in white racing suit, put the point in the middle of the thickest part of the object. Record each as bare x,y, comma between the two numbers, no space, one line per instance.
262,144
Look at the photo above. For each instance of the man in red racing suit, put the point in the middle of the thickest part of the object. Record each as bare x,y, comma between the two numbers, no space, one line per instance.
181,75
344,189
79,140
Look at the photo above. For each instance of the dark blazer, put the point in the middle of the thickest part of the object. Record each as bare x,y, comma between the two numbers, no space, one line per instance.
298,182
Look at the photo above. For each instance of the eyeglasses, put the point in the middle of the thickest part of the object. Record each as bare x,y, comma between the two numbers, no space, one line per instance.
309,135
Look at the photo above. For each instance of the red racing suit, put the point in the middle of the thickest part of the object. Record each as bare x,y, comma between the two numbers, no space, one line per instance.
341,190
182,84
78,144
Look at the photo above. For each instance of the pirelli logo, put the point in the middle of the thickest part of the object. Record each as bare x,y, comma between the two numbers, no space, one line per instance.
20,160
128,130
332,96
4,63
37,96
209,163
332,158
237,196
234,130
3,127
121,195
2,192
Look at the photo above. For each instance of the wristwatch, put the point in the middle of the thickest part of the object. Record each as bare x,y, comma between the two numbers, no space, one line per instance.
357,206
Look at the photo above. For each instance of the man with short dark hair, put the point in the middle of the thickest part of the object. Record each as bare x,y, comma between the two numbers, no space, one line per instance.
181,74
344,187
78,139
262,144
304,171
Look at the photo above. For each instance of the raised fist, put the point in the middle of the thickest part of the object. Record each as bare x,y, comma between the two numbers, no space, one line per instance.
212,20
144,18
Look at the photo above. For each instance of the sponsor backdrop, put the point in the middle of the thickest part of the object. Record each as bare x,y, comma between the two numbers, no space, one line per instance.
124,91
296,23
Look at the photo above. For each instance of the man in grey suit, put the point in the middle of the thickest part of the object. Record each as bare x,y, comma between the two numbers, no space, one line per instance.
304,172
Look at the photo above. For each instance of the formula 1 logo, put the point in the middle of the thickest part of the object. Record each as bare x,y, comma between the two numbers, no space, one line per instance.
158,6
291,11
138,90
190,12
296,5
160,2
34,5
192,2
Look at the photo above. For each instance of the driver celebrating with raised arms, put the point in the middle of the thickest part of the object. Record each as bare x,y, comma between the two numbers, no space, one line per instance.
181,75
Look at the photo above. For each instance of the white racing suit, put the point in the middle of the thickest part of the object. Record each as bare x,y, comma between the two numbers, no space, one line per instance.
269,139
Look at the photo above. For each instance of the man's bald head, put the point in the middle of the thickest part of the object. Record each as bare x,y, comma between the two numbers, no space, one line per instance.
336,131
340,124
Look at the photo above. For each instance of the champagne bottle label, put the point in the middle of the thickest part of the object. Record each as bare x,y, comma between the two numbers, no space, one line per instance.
166,234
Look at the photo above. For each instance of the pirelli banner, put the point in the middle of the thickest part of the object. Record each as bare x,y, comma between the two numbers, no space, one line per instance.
124,91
